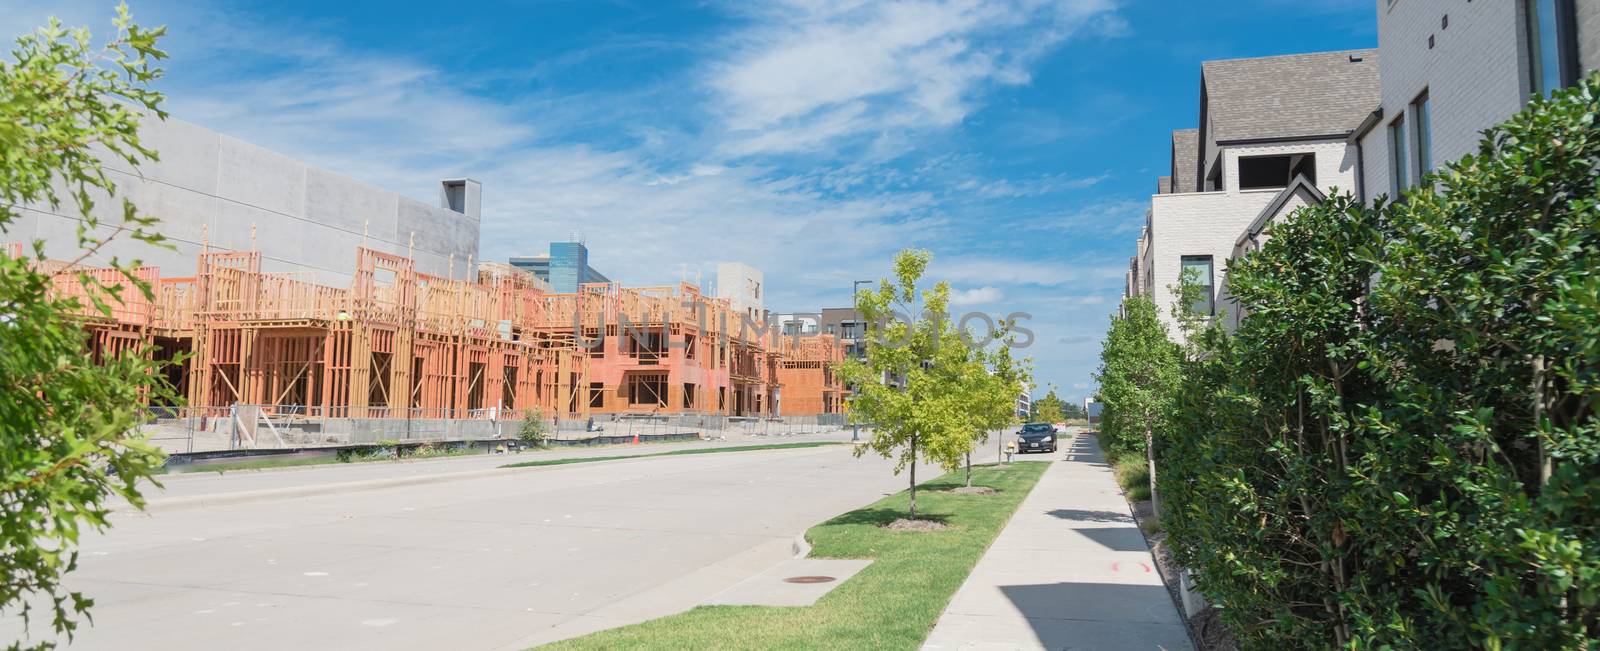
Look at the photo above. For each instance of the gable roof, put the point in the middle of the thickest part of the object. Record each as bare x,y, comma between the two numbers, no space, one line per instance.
1295,96
1300,184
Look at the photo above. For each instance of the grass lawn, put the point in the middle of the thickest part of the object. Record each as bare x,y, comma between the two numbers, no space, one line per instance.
893,604
736,448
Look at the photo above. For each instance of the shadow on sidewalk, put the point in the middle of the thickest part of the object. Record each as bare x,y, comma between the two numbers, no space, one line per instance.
1091,516
1099,615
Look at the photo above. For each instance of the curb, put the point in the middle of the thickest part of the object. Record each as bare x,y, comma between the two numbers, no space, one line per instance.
800,546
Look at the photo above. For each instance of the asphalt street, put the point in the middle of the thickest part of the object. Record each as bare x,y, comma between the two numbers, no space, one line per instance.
490,560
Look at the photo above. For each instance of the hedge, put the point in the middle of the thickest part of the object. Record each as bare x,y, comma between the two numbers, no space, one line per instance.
1400,445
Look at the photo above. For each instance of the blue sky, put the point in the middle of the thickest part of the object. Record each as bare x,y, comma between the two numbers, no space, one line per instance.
1018,140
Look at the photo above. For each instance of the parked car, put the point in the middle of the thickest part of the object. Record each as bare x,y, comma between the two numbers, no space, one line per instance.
1036,437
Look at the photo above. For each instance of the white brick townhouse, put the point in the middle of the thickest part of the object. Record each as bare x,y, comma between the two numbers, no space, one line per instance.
1264,124
1280,132
1451,68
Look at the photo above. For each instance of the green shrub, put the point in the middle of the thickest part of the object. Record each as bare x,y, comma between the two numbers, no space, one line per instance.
1400,446
533,430
1133,474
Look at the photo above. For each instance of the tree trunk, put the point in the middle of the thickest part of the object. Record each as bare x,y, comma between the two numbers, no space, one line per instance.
969,469
913,477
1150,456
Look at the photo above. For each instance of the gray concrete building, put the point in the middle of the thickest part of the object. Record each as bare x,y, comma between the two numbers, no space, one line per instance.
215,191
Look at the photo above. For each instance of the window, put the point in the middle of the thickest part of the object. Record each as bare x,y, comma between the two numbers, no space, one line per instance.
688,396
1198,269
647,389
597,395
1265,172
1421,108
1397,155
1552,59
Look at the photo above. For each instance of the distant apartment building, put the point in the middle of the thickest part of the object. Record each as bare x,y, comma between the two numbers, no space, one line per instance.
1273,133
564,268
1025,405
797,324
216,193
846,324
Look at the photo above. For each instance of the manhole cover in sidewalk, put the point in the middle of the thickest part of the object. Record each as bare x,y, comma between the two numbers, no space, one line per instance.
808,579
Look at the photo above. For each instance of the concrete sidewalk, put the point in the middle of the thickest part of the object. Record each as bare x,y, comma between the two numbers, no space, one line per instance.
1069,571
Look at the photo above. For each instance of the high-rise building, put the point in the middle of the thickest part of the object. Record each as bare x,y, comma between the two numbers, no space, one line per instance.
564,268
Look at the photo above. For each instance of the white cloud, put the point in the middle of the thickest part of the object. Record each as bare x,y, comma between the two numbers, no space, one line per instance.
1024,271
977,296
673,192
808,73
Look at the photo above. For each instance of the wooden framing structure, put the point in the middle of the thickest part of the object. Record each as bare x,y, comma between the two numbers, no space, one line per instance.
402,344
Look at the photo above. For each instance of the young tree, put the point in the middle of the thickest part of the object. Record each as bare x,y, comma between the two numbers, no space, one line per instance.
921,412
998,379
1049,408
1139,376
66,419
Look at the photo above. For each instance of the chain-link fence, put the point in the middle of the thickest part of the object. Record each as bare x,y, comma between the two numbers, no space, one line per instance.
253,427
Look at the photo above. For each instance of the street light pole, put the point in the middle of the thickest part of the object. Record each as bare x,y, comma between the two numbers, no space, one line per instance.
855,302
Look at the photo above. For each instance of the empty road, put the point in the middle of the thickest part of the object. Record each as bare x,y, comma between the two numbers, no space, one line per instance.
503,561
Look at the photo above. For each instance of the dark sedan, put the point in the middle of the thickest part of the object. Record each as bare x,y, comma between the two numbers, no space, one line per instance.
1036,437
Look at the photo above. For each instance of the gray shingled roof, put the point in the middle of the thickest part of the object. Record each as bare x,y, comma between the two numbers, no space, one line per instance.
1298,95
1185,159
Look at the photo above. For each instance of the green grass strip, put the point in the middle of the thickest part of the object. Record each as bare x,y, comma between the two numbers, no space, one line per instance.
893,604
736,448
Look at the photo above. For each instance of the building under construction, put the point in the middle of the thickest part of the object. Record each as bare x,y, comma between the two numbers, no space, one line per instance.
398,343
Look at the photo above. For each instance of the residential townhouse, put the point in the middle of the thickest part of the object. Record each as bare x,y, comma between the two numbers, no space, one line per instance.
1444,71
1449,70
1271,128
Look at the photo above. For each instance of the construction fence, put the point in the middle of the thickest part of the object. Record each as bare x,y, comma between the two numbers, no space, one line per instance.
257,427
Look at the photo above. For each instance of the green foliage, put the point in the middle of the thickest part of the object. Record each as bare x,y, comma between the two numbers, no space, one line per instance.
944,397
66,420
1138,379
533,430
1400,446
1048,409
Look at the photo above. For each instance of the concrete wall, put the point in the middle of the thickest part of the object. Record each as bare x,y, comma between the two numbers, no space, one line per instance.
214,188
1475,76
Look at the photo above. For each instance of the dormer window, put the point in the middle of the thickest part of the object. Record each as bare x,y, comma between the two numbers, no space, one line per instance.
1273,172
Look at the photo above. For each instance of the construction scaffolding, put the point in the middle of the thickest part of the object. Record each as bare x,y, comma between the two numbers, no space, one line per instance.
402,345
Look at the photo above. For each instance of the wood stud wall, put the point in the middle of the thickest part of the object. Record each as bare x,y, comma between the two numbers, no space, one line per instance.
398,343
